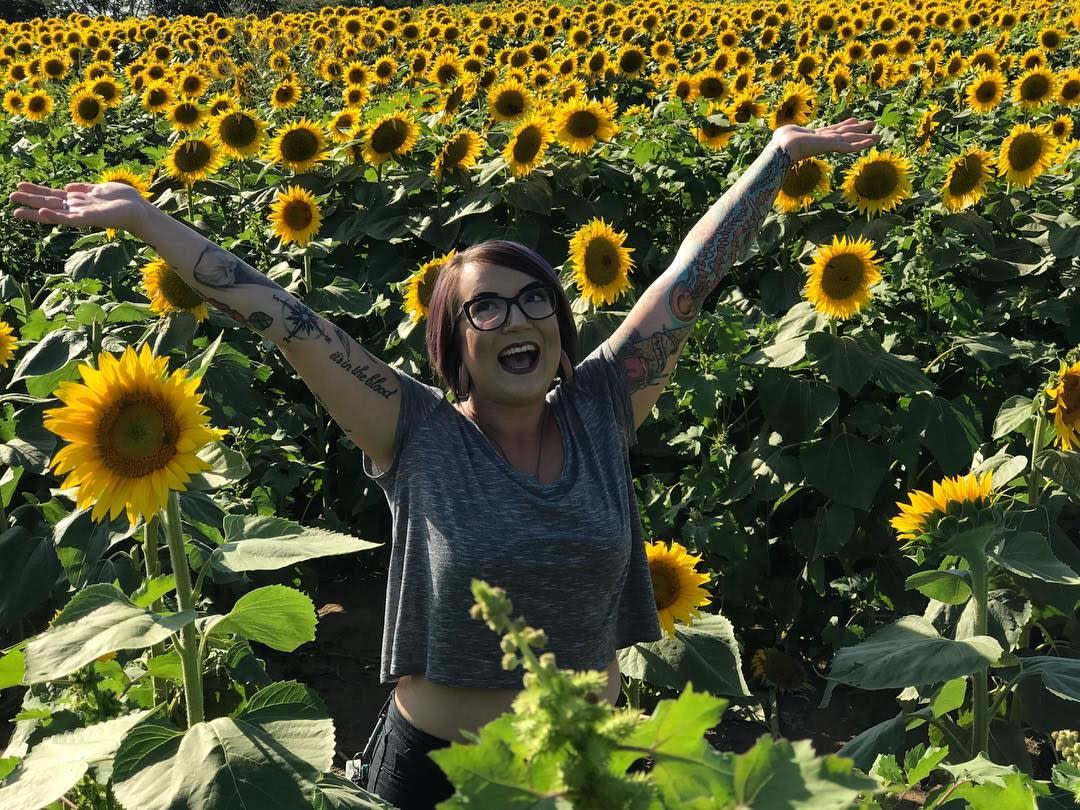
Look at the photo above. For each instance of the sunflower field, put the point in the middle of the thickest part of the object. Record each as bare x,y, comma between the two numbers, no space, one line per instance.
863,479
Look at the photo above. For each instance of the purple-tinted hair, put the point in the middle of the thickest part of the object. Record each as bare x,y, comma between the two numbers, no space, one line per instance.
443,351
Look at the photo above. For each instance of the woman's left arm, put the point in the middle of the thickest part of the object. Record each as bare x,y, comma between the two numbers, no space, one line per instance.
649,341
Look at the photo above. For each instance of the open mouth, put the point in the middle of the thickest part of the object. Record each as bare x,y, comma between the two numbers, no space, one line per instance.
521,362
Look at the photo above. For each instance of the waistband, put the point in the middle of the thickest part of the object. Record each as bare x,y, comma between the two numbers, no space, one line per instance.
418,737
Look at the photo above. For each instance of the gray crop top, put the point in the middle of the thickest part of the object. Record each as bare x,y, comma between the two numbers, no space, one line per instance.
570,554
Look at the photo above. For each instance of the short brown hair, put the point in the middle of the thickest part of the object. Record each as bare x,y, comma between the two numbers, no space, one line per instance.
442,346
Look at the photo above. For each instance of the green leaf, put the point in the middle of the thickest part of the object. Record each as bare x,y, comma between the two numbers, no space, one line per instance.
1018,792
55,764
919,764
276,748
531,193
101,262
1061,676
1061,468
197,366
951,437
981,771
333,792
949,697
950,586
910,652
128,312
27,574
1064,242
44,385
275,615
846,361
1028,554
98,619
795,408
153,589
901,375
52,352
704,653
884,738
229,466
888,770
12,666
80,542
266,543
847,469
833,528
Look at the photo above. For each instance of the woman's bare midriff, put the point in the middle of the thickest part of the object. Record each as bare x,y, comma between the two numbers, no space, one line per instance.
444,710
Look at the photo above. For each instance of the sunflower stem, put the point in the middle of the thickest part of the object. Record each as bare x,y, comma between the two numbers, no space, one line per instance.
1036,444
980,725
189,662
153,569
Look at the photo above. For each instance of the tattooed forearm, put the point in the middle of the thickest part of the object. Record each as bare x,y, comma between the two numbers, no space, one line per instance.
302,322
372,379
718,238
259,321
644,358
220,269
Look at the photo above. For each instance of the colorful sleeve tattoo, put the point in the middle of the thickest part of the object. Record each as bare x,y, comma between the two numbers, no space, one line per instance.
705,256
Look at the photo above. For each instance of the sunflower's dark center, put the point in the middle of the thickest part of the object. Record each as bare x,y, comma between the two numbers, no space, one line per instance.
283,95
1059,128
344,123
384,70
1070,396
1025,151
631,61
840,81
193,156
106,89
186,113
711,87
456,151
1070,91
389,136
597,62
54,68
1050,39
583,124
192,85
299,145
665,583
427,285
527,144
984,60
298,215
137,435
510,103
842,277
89,108
1035,88
966,176
986,91
682,89
356,76
601,261
446,74
877,180
36,104
712,130
802,179
238,130
177,291
157,97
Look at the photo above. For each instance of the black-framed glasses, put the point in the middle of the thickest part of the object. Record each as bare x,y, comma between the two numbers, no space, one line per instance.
489,311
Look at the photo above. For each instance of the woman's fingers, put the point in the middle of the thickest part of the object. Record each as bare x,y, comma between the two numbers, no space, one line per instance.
48,216
34,188
82,187
37,200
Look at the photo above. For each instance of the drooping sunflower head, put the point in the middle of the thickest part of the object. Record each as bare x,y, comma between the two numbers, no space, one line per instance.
878,182
676,585
580,123
778,670
804,182
919,516
1065,398
926,126
1026,153
601,263
8,343
133,434
527,145
840,277
192,160
295,215
1034,88
169,293
391,136
238,133
299,146
421,284
460,152
966,178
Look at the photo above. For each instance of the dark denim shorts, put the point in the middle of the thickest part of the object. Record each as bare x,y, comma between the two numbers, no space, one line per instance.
396,766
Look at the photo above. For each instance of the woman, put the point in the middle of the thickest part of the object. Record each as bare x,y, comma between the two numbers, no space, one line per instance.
527,488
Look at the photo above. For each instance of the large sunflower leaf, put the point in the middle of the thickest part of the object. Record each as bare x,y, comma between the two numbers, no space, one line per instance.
265,543
269,755
795,408
847,469
333,792
27,574
276,615
1028,554
99,619
1061,676
910,652
52,352
54,765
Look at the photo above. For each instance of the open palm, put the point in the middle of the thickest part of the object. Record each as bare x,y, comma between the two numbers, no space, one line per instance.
89,205
849,135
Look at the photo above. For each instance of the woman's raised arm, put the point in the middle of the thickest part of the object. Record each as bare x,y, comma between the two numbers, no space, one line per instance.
361,392
649,341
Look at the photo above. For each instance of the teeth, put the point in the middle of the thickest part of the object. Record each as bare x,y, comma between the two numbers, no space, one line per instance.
530,347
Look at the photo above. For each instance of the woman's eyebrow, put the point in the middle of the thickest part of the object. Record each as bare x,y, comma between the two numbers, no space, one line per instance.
491,294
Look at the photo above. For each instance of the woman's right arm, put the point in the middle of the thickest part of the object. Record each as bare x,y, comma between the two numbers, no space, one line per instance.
361,393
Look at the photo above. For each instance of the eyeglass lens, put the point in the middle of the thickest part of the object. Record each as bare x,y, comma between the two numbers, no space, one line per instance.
489,313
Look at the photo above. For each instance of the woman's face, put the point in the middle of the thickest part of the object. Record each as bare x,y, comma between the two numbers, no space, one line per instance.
491,380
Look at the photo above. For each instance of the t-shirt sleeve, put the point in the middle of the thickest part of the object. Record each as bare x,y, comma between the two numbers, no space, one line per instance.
417,402
600,377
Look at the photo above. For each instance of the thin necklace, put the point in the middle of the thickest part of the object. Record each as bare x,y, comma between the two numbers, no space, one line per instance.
539,450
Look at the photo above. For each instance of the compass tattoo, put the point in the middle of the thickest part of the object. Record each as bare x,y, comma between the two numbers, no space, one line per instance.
302,321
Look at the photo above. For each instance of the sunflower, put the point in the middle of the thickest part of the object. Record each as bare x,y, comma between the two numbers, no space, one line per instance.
711,85
676,585
1034,88
192,159
344,125
355,96
87,109
840,277
446,70
509,100
238,133
157,97
601,263
926,126
298,146
1066,398
527,145
1061,128
1026,153
220,103
460,152
391,136
796,105
986,90
804,182
916,516
295,215
285,95
421,284
13,102
778,670
37,105
384,70
8,343
186,116
965,179
168,292
580,123
682,86
1069,89
714,136
631,61
878,182
133,435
